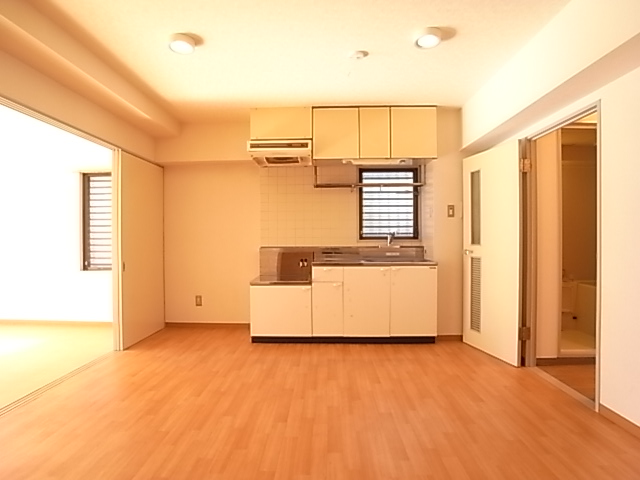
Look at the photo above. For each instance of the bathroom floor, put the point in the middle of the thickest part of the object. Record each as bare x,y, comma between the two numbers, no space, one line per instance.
576,341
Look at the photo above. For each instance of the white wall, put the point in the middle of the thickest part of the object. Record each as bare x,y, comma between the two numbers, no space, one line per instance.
619,265
41,276
26,86
444,242
212,240
588,44
587,54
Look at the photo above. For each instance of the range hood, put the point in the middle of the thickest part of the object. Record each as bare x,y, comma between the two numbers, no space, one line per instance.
280,153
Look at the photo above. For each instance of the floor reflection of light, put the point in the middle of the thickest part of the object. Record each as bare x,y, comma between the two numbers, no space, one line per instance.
14,345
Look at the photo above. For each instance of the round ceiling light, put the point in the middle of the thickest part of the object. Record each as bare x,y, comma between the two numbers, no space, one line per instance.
430,37
182,44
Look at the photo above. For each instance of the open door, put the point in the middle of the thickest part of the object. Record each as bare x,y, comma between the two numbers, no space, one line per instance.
491,268
139,252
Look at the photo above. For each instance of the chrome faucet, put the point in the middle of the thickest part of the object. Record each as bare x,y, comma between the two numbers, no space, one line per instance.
390,237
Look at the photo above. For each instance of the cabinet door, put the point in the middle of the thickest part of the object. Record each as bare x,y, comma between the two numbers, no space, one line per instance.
414,300
414,132
366,302
374,132
280,123
327,309
335,133
280,310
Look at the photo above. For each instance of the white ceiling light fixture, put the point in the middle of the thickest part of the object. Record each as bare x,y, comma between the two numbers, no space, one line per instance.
182,43
429,37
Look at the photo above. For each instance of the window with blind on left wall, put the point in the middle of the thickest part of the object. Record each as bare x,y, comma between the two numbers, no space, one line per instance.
96,221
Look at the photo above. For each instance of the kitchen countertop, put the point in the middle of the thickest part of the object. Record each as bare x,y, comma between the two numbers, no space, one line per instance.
373,263
278,280
342,261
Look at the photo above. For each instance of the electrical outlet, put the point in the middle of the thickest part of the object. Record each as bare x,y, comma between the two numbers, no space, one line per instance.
198,300
451,211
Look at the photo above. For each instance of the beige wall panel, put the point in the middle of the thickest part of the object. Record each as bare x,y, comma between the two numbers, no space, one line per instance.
141,249
579,227
206,142
575,63
549,238
446,236
25,86
212,237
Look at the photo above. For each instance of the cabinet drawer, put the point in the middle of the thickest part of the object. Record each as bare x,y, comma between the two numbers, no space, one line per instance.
327,274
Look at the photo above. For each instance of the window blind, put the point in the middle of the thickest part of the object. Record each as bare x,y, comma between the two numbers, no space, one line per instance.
96,221
388,208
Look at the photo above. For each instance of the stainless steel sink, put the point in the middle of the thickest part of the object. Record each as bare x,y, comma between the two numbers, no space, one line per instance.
390,260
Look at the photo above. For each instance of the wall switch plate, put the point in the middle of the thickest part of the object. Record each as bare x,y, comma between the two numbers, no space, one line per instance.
451,211
198,300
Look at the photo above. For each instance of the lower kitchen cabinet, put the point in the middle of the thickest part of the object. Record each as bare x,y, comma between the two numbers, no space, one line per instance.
414,309
280,310
327,309
366,301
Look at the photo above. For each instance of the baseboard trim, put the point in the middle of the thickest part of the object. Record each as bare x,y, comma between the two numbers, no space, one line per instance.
449,338
619,420
203,325
543,362
402,340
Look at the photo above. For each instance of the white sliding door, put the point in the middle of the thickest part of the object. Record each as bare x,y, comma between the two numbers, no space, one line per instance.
139,256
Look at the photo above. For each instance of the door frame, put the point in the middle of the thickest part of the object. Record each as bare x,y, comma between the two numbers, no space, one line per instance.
115,192
528,243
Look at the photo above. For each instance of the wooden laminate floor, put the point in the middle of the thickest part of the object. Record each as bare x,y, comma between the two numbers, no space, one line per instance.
205,403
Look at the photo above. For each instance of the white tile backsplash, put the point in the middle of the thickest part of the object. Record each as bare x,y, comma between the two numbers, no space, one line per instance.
294,213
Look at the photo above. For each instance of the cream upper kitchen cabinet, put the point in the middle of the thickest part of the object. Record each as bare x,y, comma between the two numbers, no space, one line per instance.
280,310
280,123
335,133
374,132
366,301
414,132
414,308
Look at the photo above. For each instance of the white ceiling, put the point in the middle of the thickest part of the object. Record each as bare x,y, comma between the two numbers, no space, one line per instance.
287,52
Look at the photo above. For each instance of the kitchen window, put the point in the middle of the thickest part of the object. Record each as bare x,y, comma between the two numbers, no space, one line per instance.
387,208
96,221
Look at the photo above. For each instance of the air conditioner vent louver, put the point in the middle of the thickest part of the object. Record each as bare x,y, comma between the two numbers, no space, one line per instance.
278,153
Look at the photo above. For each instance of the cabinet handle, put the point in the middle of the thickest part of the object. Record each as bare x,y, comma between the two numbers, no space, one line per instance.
337,284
